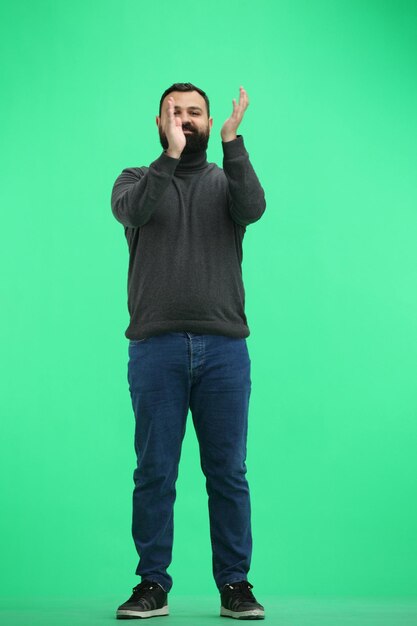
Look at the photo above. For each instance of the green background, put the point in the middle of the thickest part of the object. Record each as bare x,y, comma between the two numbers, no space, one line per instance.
329,272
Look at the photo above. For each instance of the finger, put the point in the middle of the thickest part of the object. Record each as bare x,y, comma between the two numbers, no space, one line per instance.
240,100
244,97
171,106
239,109
238,112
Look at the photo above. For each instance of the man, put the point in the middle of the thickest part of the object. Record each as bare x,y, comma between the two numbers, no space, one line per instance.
184,220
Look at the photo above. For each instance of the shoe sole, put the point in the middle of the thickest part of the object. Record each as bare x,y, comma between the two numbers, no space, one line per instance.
129,614
251,614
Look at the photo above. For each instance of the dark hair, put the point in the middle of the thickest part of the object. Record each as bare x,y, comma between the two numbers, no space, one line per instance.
184,87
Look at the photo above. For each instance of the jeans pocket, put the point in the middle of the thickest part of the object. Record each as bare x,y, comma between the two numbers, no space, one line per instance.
133,342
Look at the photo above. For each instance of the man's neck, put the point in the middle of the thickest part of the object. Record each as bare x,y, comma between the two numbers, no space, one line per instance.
192,161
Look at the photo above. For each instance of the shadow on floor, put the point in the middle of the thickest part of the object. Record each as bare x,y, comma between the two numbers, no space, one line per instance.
205,611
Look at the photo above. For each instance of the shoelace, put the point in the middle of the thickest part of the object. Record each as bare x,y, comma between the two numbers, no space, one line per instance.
242,588
144,588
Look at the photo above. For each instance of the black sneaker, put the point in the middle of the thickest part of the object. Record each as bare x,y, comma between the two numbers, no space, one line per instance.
238,601
149,599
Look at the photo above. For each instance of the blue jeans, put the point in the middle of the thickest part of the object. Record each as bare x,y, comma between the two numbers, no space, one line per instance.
169,374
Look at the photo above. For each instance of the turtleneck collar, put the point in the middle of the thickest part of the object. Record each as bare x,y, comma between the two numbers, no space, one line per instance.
192,162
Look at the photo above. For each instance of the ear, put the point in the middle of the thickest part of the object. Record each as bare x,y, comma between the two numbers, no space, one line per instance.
157,120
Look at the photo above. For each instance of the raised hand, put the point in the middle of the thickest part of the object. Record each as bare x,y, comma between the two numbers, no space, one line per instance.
229,128
175,134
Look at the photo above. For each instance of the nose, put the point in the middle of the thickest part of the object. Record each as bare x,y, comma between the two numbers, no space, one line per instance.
185,118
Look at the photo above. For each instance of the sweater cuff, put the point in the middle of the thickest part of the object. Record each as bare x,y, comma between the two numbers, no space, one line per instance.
233,148
165,163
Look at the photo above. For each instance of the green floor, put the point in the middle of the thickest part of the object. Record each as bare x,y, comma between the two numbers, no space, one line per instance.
204,611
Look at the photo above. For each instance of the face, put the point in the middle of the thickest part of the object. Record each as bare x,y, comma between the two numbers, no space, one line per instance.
191,108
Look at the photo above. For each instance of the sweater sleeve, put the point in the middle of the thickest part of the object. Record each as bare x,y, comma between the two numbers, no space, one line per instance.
135,194
246,195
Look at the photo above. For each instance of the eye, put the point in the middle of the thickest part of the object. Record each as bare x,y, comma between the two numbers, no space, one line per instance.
195,113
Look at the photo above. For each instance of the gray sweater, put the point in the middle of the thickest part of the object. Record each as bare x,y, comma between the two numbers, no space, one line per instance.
184,220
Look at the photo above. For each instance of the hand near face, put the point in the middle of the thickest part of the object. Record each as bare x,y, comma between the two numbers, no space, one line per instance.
229,128
173,130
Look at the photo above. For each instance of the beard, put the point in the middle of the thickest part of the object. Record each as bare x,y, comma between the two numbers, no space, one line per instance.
195,142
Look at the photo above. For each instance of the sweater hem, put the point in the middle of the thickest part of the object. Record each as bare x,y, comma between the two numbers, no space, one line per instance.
193,326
